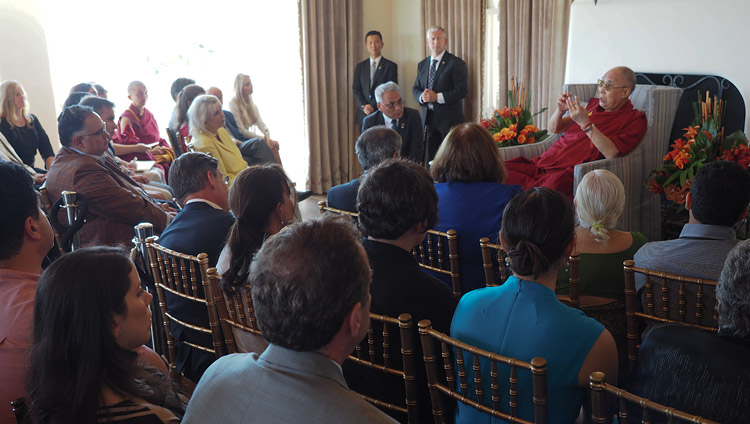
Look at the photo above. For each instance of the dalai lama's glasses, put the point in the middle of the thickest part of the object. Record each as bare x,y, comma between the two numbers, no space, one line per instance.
394,104
607,86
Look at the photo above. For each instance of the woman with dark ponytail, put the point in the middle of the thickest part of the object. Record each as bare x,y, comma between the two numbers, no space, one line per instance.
524,319
263,200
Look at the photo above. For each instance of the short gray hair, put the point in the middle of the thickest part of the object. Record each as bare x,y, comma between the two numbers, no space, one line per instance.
201,108
386,87
436,28
600,200
187,174
376,145
733,292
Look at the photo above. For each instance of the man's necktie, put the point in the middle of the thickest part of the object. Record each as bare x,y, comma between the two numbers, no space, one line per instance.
373,68
394,124
431,75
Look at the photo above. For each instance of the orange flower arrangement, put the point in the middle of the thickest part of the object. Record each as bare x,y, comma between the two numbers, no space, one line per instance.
505,123
702,142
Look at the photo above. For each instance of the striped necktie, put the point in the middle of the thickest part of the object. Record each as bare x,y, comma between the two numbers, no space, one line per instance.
431,75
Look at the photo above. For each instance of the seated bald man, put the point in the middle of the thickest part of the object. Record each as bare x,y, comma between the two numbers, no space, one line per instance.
607,127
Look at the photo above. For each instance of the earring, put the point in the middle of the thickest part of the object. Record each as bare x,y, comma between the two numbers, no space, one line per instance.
507,260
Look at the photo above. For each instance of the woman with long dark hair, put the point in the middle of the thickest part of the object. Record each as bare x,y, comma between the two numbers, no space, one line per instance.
91,319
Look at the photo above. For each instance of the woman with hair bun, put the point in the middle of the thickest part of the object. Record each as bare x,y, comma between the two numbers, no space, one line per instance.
523,318
600,200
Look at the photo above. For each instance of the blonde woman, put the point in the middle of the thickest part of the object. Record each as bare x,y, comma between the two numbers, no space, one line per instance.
599,201
247,116
21,128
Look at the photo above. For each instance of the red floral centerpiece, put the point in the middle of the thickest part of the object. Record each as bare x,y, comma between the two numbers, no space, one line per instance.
703,142
514,124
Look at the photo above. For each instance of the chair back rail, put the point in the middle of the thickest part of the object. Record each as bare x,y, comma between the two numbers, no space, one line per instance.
439,253
179,274
448,345
600,390
383,363
649,314
236,311
488,249
47,207
325,208
572,298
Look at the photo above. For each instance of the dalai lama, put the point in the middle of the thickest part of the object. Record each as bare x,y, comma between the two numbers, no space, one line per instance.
606,127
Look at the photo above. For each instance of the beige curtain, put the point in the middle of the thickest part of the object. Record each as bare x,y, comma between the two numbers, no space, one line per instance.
533,46
331,32
463,19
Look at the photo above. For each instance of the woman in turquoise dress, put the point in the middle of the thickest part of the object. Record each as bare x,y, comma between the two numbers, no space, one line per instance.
524,319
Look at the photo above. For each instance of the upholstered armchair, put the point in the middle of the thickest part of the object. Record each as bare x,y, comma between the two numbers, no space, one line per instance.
642,208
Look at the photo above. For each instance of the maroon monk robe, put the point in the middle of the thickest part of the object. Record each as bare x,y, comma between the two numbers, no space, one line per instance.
554,168
143,129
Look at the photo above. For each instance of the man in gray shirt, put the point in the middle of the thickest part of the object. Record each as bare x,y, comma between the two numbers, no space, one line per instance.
718,199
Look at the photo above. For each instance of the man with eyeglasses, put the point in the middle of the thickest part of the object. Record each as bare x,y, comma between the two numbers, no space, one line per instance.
115,202
606,127
394,115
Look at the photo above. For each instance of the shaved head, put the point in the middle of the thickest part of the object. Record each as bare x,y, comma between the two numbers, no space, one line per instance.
134,86
214,91
626,75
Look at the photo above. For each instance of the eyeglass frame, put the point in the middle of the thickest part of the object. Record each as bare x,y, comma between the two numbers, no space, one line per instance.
96,133
394,104
607,86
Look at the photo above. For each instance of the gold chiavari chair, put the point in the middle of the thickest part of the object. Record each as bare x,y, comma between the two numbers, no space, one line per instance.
490,251
664,312
475,397
186,277
324,208
439,253
237,316
600,390
377,357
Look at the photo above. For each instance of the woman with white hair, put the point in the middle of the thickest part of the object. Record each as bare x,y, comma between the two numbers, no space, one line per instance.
599,202
246,113
206,120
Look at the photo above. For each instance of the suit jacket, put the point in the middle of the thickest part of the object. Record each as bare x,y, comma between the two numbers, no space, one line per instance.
198,228
451,79
115,204
344,196
410,129
279,386
363,92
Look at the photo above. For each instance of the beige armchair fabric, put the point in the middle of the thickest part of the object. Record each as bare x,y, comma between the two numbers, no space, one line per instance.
642,208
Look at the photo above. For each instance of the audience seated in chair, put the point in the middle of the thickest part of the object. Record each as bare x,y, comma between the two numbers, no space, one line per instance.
179,122
524,319
21,128
245,112
116,202
264,202
373,146
606,127
138,125
717,200
8,153
105,109
698,371
254,150
397,204
27,237
469,178
393,114
91,319
310,287
201,227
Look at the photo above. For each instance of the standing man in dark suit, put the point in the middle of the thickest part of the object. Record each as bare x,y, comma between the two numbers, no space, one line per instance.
201,227
394,115
441,86
369,74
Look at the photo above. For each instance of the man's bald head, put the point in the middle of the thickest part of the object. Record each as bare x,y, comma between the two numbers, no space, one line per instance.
214,91
626,75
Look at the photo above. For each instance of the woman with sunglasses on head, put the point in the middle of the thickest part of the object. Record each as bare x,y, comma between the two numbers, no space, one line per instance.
88,362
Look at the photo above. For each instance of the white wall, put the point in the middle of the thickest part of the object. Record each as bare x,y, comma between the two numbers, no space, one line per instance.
400,22
24,58
705,37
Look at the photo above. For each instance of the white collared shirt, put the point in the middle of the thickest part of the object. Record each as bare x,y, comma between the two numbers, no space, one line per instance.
208,202
440,97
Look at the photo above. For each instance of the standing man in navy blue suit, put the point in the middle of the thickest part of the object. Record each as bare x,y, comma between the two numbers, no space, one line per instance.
369,74
201,227
394,115
441,86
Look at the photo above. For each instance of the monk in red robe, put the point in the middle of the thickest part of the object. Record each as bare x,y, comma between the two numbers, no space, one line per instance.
138,125
606,127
